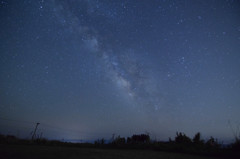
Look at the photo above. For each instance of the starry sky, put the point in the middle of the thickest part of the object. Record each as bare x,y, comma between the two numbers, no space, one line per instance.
87,69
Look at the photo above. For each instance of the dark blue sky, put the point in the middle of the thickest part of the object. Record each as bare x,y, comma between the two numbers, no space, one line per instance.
88,69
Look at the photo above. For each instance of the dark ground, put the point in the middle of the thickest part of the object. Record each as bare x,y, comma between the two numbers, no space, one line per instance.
47,152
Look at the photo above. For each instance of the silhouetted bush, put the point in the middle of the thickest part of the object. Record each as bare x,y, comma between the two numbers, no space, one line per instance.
197,139
212,143
99,142
139,139
236,146
182,138
119,141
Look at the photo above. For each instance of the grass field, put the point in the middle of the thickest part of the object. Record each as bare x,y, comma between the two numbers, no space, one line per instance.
47,152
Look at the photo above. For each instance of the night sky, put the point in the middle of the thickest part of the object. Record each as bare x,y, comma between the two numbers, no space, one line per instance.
87,69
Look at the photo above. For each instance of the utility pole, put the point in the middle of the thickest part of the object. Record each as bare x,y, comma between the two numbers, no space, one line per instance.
34,133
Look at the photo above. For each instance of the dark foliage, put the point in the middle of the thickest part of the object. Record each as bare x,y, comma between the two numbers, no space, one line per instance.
197,139
139,139
99,142
182,138
236,146
119,141
212,142
182,144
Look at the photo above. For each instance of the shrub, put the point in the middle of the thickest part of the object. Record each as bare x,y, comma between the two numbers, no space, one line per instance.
182,138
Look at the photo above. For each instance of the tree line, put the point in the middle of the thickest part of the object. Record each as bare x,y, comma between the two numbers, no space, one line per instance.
181,143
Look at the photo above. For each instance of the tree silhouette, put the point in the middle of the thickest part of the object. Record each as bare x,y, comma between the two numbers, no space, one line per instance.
212,142
197,139
182,138
119,140
137,139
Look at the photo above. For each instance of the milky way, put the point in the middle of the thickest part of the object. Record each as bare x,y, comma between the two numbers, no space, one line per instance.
122,67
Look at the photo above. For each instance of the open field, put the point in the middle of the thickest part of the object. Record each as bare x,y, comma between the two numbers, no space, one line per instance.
47,152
